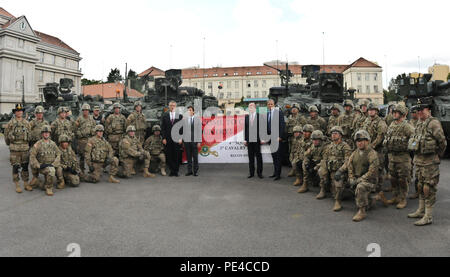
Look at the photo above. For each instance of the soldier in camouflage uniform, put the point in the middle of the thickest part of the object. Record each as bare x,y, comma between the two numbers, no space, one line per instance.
345,121
429,144
390,116
131,152
396,144
333,120
363,171
97,116
45,157
414,121
295,119
69,170
155,147
376,127
296,155
99,154
312,160
358,122
137,119
17,137
336,155
35,132
85,129
115,126
315,120
62,125
305,144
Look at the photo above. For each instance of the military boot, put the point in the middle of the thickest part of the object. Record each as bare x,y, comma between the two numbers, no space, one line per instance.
27,186
298,182
420,211
163,172
113,180
49,191
427,218
322,194
337,206
61,184
133,171
148,174
380,197
402,204
291,173
361,215
393,201
33,182
18,188
304,188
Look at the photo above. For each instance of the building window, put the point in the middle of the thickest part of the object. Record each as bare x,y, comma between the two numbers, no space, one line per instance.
206,75
359,76
264,83
367,77
221,95
228,84
195,76
249,84
360,89
225,74
249,94
375,89
256,94
375,77
269,72
256,83
236,84
41,57
249,73
236,74
236,95
40,75
367,89
258,73
229,95
215,75
52,76
64,62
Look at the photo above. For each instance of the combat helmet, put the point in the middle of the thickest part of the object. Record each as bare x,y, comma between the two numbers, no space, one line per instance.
364,102
362,135
97,108
61,110
349,103
137,103
298,129
373,106
116,105
86,107
308,128
64,138
131,129
156,128
313,109
401,109
39,109
46,129
337,129
99,128
336,107
317,135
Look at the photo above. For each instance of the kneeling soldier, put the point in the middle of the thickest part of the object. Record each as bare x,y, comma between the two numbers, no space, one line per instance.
99,154
45,157
296,156
131,151
68,172
312,161
155,147
363,168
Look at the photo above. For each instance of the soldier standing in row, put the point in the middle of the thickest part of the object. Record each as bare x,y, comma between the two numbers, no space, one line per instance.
336,155
315,120
363,171
137,119
358,123
62,125
376,127
296,157
97,116
69,171
333,120
312,160
17,137
45,157
295,119
115,126
131,152
35,132
85,129
429,144
346,122
99,154
414,121
155,147
396,143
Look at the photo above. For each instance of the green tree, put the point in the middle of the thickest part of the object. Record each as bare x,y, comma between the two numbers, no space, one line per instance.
390,96
114,75
135,82
87,82
448,77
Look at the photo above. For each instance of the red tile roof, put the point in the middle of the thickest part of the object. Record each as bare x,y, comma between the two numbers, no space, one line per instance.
109,91
361,62
11,21
5,13
153,72
54,41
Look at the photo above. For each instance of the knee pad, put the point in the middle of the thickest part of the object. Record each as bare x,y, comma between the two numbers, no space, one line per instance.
25,167
426,190
16,169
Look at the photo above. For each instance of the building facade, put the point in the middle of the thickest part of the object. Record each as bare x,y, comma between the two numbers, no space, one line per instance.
440,72
29,59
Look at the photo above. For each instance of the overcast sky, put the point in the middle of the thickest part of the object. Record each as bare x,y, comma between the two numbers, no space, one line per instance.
170,34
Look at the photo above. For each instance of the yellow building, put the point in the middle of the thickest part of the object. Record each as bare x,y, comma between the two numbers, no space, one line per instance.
439,71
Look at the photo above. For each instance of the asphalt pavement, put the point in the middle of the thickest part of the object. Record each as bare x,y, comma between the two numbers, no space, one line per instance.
220,213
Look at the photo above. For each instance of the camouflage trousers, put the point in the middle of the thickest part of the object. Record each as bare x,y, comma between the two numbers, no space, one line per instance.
298,169
69,178
81,146
381,170
114,140
20,160
96,175
162,159
400,177
49,176
428,177
129,164
362,193
140,134
310,178
337,187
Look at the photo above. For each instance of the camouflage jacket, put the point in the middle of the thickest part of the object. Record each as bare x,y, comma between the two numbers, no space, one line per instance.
296,154
432,142
358,123
85,127
154,145
332,121
62,127
69,159
396,141
36,127
389,119
130,148
115,124
346,122
336,155
45,152
363,166
97,150
414,122
314,154
298,120
138,121
17,135
319,123
377,128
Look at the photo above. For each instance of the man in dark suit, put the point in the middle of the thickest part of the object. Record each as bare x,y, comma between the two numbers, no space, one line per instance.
173,148
192,135
276,130
253,142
